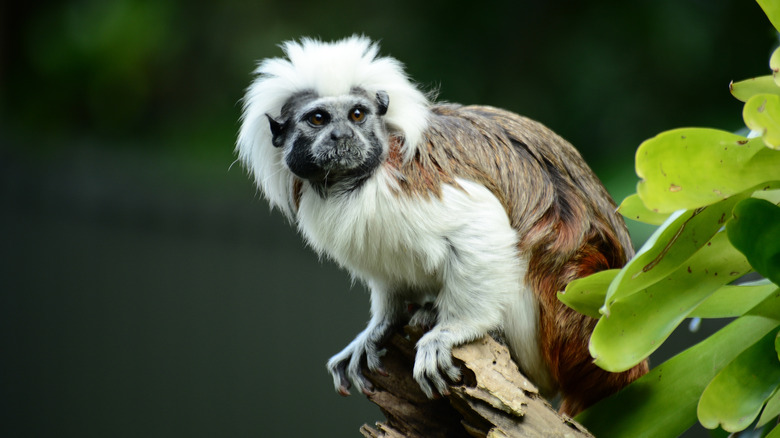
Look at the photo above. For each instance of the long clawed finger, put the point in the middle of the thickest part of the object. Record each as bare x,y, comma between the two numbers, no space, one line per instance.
344,384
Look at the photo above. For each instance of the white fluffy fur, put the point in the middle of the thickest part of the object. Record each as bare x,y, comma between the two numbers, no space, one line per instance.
328,69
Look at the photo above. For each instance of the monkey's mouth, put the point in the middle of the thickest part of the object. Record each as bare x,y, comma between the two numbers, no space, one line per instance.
341,156
334,163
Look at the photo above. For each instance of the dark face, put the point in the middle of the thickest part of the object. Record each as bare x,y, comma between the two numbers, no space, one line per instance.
332,140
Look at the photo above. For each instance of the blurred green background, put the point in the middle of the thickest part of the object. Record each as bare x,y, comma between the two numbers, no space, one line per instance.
146,289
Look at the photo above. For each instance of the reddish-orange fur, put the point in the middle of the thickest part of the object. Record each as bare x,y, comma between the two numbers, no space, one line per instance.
564,333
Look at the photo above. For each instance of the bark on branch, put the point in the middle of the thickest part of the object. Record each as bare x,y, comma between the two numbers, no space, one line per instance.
493,399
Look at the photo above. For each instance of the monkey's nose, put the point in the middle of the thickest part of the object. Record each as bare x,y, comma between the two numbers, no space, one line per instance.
340,133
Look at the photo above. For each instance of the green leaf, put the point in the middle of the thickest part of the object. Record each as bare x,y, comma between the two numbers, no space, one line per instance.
663,402
772,10
755,231
693,167
736,395
770,195
586,295
771,410
638,324
730,301
774,64
633,208
670,246
775,433
762,114
777,346
744,90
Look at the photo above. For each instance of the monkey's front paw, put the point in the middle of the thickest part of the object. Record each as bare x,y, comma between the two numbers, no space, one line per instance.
345,367
433,362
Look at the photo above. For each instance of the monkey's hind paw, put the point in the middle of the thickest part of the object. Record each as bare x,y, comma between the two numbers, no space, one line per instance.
423,316
433,365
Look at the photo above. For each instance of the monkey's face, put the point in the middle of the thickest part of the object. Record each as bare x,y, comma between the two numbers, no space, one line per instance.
327,140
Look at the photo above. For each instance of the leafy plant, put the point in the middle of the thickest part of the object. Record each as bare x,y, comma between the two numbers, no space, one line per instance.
715,195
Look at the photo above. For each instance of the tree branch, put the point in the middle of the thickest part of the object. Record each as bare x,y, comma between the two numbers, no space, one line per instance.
493,399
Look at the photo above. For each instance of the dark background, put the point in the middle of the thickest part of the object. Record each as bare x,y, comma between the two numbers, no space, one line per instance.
146,289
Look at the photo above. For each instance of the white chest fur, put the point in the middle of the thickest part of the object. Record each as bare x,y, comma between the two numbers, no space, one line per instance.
379,235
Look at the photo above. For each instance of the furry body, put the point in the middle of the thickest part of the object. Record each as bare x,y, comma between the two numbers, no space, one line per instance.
482,212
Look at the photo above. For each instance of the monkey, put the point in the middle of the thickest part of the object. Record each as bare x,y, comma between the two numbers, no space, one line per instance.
477,215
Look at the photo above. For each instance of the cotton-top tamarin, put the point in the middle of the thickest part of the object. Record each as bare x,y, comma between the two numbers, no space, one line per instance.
479,211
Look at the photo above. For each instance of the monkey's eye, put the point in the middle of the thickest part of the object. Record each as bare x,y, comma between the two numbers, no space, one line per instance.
357,114
317,118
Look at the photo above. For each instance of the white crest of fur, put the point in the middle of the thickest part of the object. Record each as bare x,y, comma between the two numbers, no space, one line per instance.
328,69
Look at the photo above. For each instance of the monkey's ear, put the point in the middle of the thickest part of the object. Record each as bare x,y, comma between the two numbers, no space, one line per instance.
277,131
382,101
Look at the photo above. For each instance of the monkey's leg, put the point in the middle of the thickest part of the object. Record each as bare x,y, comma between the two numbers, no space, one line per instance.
345,366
